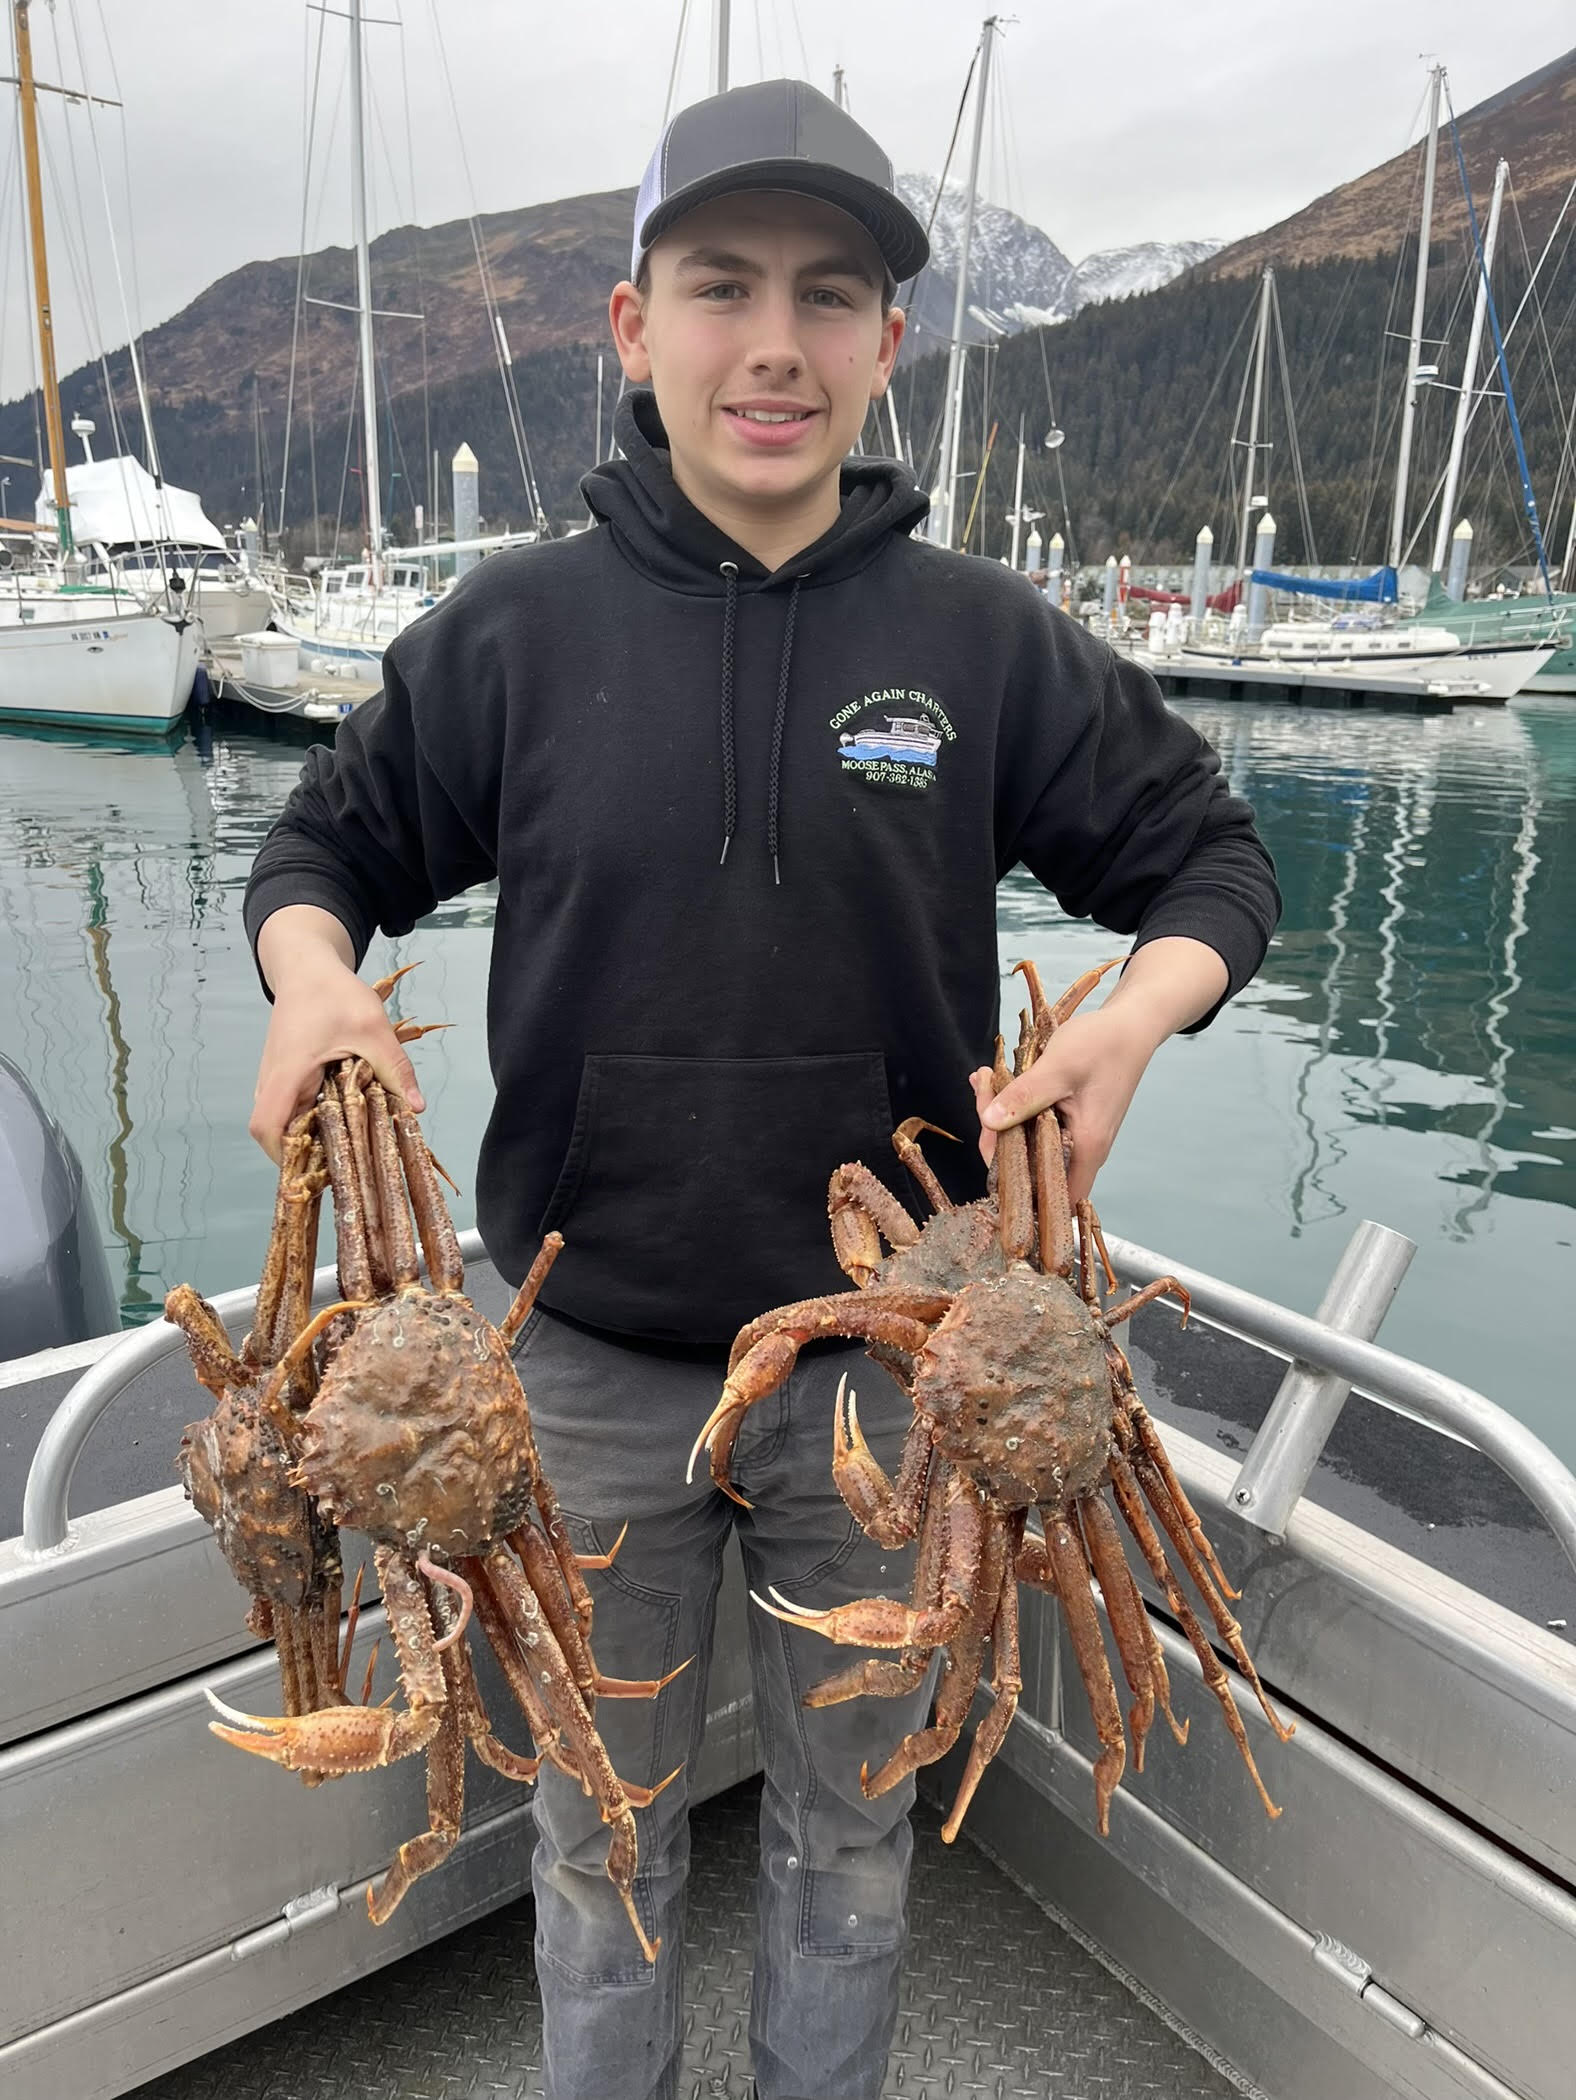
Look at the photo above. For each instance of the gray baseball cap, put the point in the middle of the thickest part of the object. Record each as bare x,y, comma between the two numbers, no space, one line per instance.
777,135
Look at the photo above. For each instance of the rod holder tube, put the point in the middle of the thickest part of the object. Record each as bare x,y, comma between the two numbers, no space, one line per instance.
1522,1455
1308,1404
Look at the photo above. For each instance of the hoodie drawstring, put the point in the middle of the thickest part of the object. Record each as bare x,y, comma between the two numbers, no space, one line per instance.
774,794
730,784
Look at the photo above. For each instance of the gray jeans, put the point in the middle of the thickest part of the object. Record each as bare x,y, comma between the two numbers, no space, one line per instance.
615,1425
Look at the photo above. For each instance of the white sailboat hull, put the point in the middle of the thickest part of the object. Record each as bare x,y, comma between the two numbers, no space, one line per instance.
128,671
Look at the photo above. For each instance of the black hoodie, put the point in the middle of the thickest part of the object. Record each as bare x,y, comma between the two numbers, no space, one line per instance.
747,829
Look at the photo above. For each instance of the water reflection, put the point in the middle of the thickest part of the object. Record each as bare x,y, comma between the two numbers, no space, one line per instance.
1407,1054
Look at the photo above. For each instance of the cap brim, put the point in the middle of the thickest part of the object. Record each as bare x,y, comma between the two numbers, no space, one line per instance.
898,235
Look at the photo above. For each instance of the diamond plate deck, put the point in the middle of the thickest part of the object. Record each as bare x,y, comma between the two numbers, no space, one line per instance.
998,2003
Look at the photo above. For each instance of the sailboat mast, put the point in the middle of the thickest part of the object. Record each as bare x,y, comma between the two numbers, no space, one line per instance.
1469,372
1403,464
1261,344
358,214
719,47
46,326
946,480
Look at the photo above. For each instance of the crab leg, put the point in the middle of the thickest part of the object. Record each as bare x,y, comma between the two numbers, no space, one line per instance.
1153,1484
1006,1683
525,1297
879,1622
350,1221
399,1237
1124,1608
352,1082
1071,1575
886,1511
511,1656
875,1677
1053,1207
1014,1200
862,1209
439,1241
766,1350
1162,1287
905,1143
265,1344
1048,1018
1136,1418
616,1799
545,1577
339,1739
1130,1501
959,1679
207,1340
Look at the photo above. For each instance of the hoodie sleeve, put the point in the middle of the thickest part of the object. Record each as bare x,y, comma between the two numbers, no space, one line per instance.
1119,807
402,810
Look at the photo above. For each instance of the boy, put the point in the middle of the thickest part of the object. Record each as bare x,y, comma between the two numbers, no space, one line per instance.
747,762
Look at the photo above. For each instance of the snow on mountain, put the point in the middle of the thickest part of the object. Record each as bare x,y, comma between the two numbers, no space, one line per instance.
1018,277
1116,273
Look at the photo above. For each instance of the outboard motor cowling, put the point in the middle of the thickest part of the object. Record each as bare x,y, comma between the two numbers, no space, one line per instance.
54,1280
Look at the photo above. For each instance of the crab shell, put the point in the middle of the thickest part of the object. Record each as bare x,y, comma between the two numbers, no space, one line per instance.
1017,1380
236,1471
420,1435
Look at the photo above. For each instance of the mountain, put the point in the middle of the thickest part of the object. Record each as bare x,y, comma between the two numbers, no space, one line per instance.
1532,123
1018,277
1012,265
1119,273
1145,379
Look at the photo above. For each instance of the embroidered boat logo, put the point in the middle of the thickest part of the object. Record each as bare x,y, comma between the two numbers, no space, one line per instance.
903,738
893,738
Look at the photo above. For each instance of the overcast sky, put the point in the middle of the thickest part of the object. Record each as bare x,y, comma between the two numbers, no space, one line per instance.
1113,123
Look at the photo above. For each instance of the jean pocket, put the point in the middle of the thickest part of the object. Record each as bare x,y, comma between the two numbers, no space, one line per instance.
526,1338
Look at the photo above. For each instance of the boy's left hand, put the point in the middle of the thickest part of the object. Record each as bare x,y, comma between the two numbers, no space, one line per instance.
1090,1071
1091,1067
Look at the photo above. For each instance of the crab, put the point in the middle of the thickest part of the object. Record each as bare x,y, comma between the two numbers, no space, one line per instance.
234,1464
418,1435
996,1328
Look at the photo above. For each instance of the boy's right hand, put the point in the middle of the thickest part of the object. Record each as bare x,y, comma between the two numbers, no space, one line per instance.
322,1012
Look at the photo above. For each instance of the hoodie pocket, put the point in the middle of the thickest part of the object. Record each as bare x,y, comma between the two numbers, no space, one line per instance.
693,1192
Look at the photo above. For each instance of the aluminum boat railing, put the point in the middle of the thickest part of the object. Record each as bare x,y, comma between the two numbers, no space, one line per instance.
1327,1360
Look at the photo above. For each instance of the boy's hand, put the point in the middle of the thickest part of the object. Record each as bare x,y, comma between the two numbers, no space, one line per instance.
322,1012
1090,1069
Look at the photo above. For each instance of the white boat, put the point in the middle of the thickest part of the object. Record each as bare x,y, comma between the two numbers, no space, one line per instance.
1421,658
127,671
351,616
71,656
145,540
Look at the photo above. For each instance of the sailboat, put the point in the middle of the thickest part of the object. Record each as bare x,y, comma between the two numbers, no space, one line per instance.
91,659
354,610
1364,646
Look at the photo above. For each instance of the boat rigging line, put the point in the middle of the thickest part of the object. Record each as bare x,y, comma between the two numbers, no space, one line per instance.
1529,499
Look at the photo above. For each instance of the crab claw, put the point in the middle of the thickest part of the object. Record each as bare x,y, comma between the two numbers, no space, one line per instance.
336,1740
791,1614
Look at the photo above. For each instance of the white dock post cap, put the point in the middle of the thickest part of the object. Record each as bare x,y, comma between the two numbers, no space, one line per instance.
1266,523
1057,540
1463,531
1110,561
1205,537
465,461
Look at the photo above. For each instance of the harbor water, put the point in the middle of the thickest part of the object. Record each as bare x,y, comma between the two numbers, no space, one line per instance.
1408,1054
